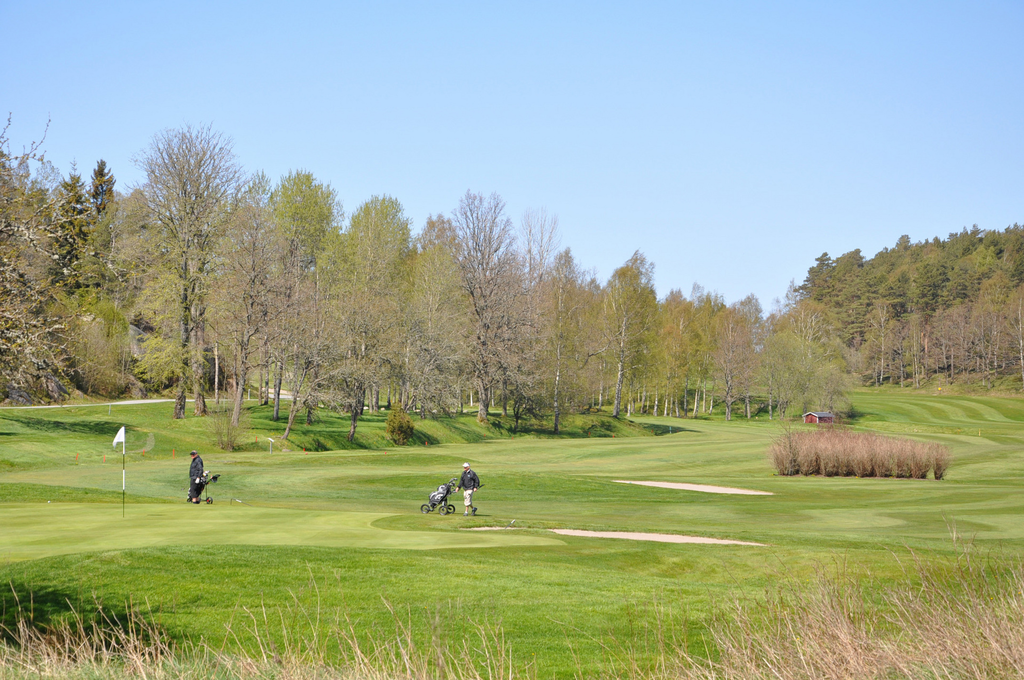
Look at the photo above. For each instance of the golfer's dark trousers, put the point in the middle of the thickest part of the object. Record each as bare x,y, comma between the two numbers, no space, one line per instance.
194,490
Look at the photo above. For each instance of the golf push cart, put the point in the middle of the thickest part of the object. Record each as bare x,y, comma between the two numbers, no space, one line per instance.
207,480
439,499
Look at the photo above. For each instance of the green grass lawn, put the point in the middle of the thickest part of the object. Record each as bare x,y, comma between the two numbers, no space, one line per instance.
341,530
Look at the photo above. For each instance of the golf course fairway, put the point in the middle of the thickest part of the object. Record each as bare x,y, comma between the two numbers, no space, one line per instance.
346,525
32,531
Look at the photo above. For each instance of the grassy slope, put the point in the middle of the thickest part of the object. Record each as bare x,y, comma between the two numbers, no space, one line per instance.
41,437
349,520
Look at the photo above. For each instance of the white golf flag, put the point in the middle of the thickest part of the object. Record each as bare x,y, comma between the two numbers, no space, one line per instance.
119,439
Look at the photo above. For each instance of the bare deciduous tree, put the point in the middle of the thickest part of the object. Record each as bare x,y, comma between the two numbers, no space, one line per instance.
245,287
192,181
489,268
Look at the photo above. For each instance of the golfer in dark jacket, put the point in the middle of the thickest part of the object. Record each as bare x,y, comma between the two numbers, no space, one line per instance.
469,483
195,476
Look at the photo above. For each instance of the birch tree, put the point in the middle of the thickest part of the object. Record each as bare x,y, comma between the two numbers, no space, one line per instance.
368,303
630,309
308,215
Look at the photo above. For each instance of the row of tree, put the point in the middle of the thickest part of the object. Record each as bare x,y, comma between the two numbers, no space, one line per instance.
205,279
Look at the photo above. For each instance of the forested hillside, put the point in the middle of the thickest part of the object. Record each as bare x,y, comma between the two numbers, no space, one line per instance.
952,308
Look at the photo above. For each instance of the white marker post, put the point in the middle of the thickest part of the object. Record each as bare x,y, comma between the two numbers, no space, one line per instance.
120,438
271,444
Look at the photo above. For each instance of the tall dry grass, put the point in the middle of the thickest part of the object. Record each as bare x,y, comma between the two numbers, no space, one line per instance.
838,452
297,643
960,617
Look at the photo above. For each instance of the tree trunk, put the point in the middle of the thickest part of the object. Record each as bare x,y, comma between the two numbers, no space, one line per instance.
216,373
300,378
236,412
558,375
481,411
259,391
357,410
266,385
277,390
616,409
198,374
504,398
179,403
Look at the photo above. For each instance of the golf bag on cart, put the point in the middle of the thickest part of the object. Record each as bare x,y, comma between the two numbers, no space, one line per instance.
205,481
439,499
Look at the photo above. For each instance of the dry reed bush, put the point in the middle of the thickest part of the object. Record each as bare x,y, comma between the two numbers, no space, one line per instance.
940,460
958,617
837,452
783,454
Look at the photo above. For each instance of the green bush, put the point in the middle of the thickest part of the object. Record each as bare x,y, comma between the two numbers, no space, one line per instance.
398,427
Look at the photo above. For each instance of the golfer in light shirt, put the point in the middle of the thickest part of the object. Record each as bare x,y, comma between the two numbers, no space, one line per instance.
469,483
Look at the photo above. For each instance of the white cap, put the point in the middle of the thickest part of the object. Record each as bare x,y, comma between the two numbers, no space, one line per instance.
465,465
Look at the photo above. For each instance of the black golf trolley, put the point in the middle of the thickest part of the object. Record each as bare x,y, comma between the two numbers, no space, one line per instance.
204,487
439,499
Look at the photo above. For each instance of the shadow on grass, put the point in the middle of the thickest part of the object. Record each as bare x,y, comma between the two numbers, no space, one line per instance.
96,427
46,607
853,415
659,430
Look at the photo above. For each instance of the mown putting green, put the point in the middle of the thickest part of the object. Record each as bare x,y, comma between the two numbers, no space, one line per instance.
349,521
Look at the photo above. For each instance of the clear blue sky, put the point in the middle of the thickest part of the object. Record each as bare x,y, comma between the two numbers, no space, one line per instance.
730,142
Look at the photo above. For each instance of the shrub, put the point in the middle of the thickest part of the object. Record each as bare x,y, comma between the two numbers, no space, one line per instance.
940,460
398,427
834,452
227,435
783,454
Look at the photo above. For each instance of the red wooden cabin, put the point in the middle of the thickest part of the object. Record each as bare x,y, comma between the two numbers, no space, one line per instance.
819,417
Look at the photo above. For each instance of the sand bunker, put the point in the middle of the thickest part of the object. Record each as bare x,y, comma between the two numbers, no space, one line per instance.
634,536
699,487
660,538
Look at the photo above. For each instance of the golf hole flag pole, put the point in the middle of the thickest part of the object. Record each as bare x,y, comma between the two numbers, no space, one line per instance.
120,438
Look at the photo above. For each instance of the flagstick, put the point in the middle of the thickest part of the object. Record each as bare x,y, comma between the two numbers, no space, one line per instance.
123,444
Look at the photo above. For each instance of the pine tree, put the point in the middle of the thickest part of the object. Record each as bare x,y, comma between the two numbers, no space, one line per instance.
102,188
71,228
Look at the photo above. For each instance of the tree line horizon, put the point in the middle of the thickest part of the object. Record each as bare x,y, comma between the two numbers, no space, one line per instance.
206,278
